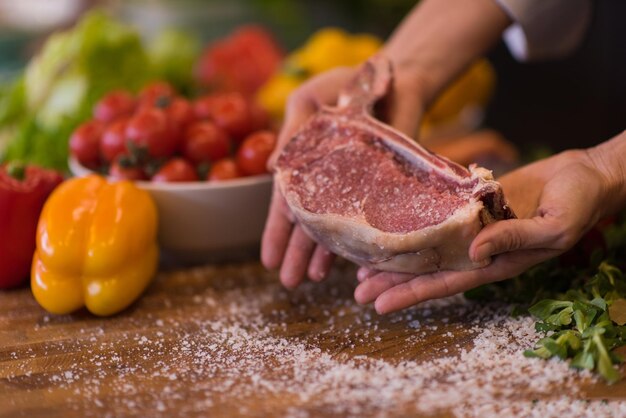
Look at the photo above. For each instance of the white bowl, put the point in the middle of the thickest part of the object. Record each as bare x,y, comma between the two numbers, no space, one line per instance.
207,221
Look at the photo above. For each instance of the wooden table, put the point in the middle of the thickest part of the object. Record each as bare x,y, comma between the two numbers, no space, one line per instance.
229,341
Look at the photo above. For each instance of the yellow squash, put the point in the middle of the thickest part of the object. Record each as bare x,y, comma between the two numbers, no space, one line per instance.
96,246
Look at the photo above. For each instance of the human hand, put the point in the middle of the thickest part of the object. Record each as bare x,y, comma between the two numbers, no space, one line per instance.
285,245
557,200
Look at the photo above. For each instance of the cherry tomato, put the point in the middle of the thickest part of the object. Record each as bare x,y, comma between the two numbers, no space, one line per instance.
176,170
203,107
158,93
231,112
205,142
181,114
241,62
150,129
114,105
123,169
235,113
113,142
224,169
254,152
259,117
85,143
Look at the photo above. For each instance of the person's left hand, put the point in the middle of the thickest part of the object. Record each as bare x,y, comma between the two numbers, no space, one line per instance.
556,200
285,245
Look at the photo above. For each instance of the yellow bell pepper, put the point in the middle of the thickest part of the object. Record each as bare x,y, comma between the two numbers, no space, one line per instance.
96,246
362,47
272,96
332,47
474,88
326,49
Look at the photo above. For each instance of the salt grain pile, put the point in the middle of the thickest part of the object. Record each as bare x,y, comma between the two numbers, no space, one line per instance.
231,342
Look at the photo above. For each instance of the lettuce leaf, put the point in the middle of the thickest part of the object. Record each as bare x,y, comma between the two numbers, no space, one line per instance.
62,83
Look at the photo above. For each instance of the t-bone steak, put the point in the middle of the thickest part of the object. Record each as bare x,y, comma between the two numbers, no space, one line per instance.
371,194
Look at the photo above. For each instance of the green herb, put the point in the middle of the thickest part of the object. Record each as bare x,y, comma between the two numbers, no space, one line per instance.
580,308
581,326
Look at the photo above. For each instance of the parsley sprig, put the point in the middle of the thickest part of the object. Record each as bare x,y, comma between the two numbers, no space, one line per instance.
579,300
580,324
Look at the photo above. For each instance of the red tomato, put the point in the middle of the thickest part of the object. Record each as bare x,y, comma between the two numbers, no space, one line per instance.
175,170
203,107
113,105
122,169
158,93
241,62
205,142
231,112
181,114
150,129
85,143
260,51
224,169
260,118
254,152
235,112
113,142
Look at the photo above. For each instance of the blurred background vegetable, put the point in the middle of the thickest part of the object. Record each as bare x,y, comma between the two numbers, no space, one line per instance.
326,49
23,191
72,71
240,62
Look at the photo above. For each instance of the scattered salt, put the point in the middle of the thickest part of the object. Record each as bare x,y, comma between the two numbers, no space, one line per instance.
237,349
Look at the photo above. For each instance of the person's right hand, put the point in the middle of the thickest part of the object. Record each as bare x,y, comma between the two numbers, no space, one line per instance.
557,200
285,245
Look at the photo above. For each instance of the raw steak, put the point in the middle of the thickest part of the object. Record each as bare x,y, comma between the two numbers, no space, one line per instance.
374,196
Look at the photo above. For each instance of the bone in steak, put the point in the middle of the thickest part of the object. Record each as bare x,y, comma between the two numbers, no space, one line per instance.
369,193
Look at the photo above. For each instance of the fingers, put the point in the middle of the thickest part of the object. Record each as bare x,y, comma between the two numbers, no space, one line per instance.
289,248
403,106
513,234
320,263
448,283
405,118
378,283
364,273
276,234
426,287
296,260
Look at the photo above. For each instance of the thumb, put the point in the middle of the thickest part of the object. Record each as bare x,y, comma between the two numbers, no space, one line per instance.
403,112
404,104
511,235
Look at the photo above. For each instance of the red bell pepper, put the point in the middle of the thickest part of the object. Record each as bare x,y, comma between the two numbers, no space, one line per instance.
23,191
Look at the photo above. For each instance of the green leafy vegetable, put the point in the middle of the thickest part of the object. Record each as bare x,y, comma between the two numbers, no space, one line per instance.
60,85
617,311
172,55
580,308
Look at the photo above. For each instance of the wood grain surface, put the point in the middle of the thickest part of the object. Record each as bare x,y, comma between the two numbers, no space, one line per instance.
229,341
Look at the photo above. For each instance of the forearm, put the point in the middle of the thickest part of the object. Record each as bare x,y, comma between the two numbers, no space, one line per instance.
610,159
439,38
